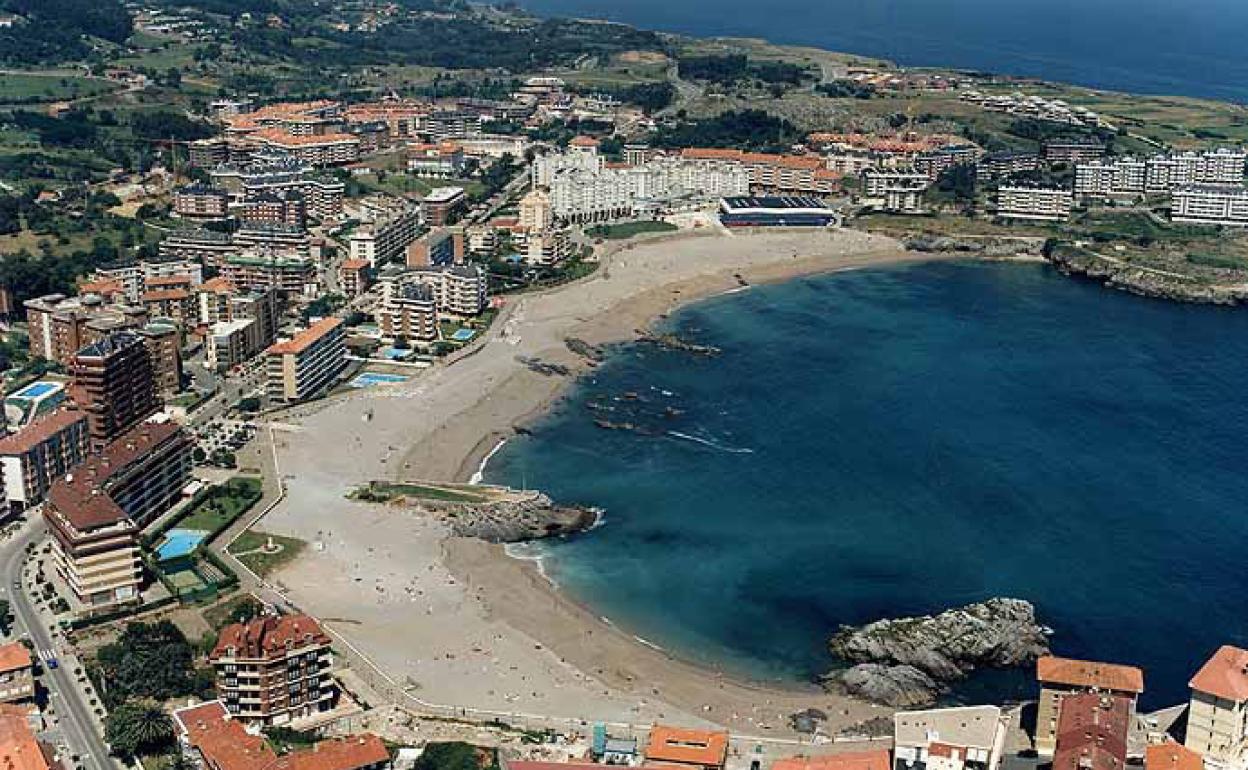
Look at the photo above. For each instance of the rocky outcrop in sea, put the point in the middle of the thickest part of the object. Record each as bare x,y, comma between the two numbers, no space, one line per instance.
514,521
911,661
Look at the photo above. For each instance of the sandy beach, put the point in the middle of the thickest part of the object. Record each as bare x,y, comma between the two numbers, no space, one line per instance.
456,622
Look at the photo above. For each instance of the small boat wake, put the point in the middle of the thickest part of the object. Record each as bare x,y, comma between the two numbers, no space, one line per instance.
712,444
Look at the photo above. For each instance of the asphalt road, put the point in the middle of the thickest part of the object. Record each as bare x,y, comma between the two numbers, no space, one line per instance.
65,697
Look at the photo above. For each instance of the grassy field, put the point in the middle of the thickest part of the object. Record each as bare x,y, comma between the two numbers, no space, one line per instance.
51,87
247,550
222,508
630,229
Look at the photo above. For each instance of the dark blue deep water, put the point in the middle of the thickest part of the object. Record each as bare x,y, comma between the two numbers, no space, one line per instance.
902,440
1187,47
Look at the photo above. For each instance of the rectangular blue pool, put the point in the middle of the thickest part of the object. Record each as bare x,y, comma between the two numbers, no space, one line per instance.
179,542
463,335
36,389
369,379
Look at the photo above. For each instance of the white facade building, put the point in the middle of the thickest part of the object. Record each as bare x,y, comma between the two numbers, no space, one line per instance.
1210,205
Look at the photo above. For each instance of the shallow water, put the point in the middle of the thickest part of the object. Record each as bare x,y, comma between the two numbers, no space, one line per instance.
901,440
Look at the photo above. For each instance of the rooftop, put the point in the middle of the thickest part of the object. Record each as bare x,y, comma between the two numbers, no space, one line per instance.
967,726
689,747
268,635
14,656
1089,674
19,749
39,431
1224,675
1171,756
1092,732
878,759
306,338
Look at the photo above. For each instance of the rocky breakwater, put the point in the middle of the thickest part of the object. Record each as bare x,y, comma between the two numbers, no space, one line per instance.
912,661
491,513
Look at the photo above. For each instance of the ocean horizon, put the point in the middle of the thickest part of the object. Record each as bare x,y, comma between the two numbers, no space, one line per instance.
1192,48
900,440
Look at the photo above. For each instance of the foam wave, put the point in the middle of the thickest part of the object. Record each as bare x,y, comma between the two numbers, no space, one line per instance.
712,444
479,474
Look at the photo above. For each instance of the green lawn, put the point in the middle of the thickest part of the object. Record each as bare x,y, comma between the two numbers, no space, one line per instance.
223,505
630,229
246,549
28,87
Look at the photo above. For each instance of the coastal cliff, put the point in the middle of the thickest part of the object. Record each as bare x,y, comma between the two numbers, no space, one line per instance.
1145,281
911,661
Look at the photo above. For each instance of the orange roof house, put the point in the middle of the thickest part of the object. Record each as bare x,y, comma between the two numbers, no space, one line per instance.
1087,674
1172,756
678,746
19,749
878,759
1092,732
1224,675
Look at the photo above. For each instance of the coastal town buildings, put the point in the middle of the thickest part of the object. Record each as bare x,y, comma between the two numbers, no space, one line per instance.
201,202
1217,716
33,458
271,670
1129,178
60,326
442,205
685,748
220,741
999,164
1120,178
775,211
19,746
894,190
444,160
1171,756
298,368
116,385
1070,153
316,150
1210,205
391,224
439,246
17,674
1048,204
960,738
1063,677
354,277
796,174
1092,732
288,273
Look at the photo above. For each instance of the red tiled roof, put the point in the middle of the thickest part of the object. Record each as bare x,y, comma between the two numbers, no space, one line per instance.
1172,756
349,753
268,635
39,431
687,747
19,749
1092,732
218,285
355,264
1089,674
14,656
284,139
161,295
1224,675
80,497
306,338
584,141
852,760
168,280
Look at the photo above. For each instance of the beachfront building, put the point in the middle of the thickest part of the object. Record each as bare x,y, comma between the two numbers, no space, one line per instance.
960,738
1092,732
299,368
211,734
1063,677
684,748
1046,204
407,311
32,459
793,174
894,190
1221,167
783,211
17,674
1202,204
460,290
95,551
271,670
1217,716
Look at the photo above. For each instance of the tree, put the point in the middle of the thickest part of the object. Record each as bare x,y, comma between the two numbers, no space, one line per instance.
139,727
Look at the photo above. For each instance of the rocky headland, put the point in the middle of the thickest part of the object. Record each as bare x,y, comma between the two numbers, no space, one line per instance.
1151,282
912,661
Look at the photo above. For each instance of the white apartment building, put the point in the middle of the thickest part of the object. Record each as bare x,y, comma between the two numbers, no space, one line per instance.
1217,718
458,289
581,196
535,210
1049,204
408,308
899,190
1121,178
962,738
1210,205
391,227
1223,166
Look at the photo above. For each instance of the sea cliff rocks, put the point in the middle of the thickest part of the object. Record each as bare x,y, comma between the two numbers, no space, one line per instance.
1148,282
911,661
513,521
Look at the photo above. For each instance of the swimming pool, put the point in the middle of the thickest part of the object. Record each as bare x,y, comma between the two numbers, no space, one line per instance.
369,379
463,335
179,542
37,389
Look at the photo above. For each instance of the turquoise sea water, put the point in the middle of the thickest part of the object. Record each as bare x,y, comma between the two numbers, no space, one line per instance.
1187,47
901,440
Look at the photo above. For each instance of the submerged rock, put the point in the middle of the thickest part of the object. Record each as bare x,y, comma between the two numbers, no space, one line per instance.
906,661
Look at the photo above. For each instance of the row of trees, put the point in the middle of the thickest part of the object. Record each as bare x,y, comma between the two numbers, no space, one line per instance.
729,69
747,129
